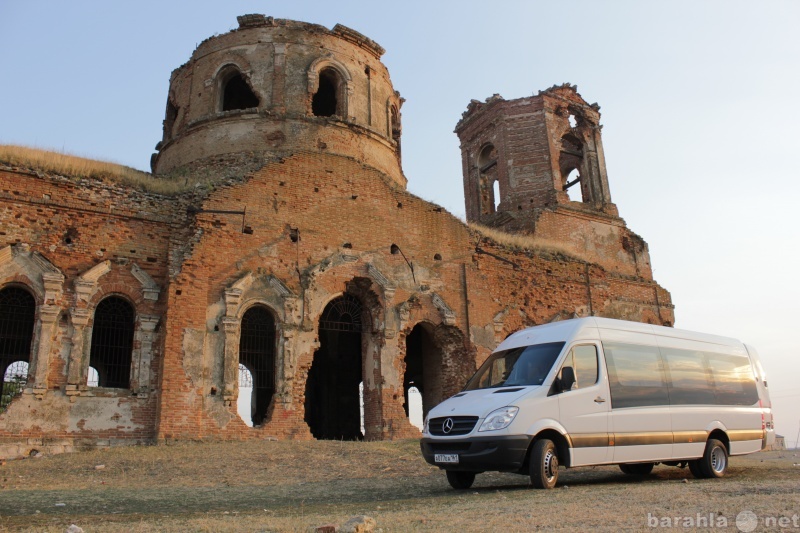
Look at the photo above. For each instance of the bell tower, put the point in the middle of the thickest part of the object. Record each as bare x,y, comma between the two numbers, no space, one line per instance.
535,166
532,153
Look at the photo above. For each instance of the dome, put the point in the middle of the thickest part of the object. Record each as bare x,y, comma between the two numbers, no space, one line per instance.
275,86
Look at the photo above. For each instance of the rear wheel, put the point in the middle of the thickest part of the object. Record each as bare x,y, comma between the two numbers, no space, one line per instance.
460,480
544,464
715,459
637,469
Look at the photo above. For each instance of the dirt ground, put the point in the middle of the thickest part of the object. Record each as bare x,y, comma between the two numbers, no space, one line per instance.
291,486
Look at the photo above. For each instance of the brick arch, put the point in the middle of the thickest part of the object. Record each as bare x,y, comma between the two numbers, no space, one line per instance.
24,282
246,305
343,91
122,290
224,73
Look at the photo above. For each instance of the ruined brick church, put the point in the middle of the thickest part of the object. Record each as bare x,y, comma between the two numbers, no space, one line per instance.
128,316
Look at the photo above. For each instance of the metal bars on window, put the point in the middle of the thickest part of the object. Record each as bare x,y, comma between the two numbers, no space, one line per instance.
112,342
17,313
257,354
343,314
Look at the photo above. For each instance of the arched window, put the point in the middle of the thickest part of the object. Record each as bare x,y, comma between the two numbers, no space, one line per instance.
570,161
235,92
169,119
112,342
489,184
395,127
326,101
17,312
257,356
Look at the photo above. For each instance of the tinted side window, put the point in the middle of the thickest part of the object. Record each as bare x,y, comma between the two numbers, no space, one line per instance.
734,382
635,375
689,377
585,360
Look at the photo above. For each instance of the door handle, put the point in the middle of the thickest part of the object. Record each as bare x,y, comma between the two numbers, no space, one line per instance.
599,400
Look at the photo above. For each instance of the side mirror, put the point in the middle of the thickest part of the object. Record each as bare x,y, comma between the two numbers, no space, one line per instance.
567,379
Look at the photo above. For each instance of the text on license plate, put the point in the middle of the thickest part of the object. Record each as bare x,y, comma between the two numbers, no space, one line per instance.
446,458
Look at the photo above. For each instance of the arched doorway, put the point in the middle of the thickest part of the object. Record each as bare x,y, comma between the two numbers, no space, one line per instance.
333,405
423,368
257,356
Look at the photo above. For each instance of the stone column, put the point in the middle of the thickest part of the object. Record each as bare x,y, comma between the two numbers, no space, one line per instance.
141,371
45,331
78,359
230,366
279,77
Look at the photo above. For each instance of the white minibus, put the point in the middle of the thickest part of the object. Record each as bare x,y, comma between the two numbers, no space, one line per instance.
595,391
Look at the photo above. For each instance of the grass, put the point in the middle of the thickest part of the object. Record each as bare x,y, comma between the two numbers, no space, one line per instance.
512,240
51,162
291,486
520,242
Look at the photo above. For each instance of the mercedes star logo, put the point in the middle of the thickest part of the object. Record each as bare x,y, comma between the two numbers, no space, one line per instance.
447,425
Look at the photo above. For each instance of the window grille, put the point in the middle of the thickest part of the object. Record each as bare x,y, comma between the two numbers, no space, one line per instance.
112,343
17,313
257,354
343,314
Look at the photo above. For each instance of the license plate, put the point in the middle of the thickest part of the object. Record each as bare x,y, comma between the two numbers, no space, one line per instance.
451,458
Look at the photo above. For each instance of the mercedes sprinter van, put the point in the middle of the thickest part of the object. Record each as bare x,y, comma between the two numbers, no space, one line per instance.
595,391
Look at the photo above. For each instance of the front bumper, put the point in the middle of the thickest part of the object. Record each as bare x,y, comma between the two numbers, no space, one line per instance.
479,454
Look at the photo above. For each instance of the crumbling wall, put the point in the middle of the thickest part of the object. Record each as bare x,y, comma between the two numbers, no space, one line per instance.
70,243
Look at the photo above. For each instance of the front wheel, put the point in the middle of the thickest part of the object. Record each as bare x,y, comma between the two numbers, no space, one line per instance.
637,469
714,462
544,464
460,480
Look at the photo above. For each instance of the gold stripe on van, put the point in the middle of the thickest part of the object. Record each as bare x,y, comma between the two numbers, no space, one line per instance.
591,440
745,434
643,438
687,437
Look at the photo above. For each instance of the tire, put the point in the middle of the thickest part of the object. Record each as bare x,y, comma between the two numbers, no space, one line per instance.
544,464
460,480
637,469
714,462
694,468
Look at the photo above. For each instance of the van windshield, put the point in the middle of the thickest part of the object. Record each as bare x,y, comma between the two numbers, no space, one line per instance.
526,365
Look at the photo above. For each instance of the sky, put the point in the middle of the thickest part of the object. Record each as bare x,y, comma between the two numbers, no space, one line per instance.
698,102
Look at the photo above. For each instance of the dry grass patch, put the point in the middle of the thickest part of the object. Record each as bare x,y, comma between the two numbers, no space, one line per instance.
512,240
519,242
290,486
80,167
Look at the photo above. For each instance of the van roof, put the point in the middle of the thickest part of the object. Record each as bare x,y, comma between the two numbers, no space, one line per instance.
567,330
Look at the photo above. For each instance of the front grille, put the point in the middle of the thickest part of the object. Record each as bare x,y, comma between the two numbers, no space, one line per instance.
461,425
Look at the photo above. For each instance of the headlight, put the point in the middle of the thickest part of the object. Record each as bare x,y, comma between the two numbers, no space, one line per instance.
425,426
499,419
